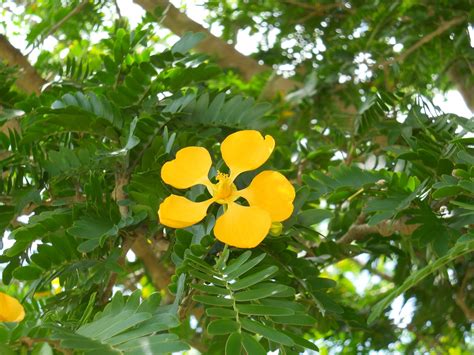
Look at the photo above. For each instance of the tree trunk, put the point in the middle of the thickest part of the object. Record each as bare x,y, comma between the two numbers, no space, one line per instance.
28,80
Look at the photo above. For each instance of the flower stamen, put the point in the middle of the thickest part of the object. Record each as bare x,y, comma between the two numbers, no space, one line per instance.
224,190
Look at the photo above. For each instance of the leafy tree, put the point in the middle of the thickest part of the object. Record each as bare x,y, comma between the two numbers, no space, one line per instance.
93,107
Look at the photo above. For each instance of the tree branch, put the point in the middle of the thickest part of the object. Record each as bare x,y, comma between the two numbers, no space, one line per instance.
160,276
29,80
430,36
461,75
61,22
360,230
56,344
227,56
460,296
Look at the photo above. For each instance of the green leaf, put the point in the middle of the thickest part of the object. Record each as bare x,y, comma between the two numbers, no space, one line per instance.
458,250
6,215
27,273
309,217
295,319
88,227
252,346
261,291
254,278
302,342
222,326
6,350
262,310
267,332
235,270
187,41
38,226
94,229
213,301
446,191
327,303
237,263
318,283
214,290
126,326
220,312
207,278
132,141
156,344
233,346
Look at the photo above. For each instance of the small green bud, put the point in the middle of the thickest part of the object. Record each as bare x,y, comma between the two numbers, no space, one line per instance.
276,229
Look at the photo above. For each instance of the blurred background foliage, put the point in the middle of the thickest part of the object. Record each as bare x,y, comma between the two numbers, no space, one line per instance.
377,257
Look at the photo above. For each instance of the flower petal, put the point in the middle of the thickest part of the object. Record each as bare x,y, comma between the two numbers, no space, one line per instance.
191,166
272,192
179,212
242,227
10,309
246,150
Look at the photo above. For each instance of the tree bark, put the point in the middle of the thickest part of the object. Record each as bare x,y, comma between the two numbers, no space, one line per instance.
226,55
160,275
461,76
28,80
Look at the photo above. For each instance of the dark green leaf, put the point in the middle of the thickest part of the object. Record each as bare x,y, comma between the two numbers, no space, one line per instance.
222,326
267,332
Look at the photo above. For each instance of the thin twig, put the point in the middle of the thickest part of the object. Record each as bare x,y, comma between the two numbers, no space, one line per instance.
118,9
61,22
373,270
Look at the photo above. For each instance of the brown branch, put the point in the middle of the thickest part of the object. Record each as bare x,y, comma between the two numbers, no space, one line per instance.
430,36
117,8
160,275
360,230
126,245
56,344
460,297
227,56
28,80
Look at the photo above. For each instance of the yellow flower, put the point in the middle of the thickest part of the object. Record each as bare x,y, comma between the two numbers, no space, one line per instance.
10,309
270,195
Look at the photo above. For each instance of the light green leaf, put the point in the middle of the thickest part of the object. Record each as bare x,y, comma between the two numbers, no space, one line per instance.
187,41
